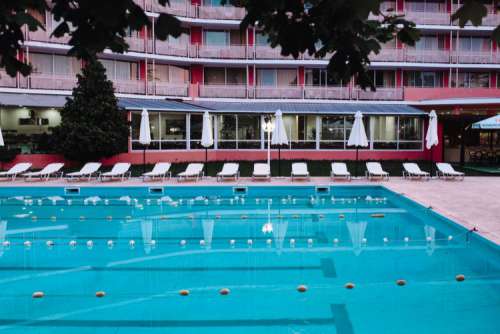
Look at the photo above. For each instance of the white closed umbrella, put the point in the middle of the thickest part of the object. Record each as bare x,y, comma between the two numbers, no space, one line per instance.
358,137
432,137
144,136
279,136
207,138
1,138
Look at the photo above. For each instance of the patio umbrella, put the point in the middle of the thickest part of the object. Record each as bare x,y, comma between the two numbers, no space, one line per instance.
430,233
207,138
357,233
144,136
432,138
208,231
279,136
357,137
147,234
1,138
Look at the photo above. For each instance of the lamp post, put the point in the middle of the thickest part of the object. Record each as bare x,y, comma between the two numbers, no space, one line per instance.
268,127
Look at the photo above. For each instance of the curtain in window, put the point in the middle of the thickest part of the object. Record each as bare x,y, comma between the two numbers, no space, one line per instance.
287,77
178,74
109,66
123,70
42,63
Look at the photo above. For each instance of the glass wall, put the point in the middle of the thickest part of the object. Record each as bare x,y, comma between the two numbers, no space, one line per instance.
423,79
168,131
471,80
224,76
385,132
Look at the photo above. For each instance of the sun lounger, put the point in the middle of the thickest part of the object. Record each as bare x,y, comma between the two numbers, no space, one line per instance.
339,170
447,171
261,171
160,170
46,172
411,169
120,170
16,170
88,170
193,171
299,171
374,170
229,171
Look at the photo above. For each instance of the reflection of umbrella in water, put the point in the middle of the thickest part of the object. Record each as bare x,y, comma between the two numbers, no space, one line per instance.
279,233
208,231
3,232
357,234
147,234
430,237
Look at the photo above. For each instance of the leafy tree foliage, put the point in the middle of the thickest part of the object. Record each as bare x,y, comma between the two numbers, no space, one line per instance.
92,124
340,29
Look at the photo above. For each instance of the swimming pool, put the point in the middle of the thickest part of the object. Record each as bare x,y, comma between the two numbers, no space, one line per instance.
140,247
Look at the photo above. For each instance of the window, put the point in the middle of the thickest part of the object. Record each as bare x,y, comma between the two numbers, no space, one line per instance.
384,79
196,129
277,77
426,6
333,132
248,131
54,64
212,2
472,44
120,70
385,132
266,77
154,124
224,76
410,133
301,131
423,79
212,37
471,80
320,77
430,43
261,39
173,131
226,131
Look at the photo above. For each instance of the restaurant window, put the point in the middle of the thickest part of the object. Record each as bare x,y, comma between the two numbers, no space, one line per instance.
423,79
154,126
249,131
410,133
332,132
385,132
226,131
173,131
471,80
301,131
196,126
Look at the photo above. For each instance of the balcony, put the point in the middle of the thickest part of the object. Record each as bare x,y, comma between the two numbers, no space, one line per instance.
7,81
221,12
438,18
52,81
177,7
174,49
492,19
271,92
333,93
139,44
382,94
168,88
224,91
475,57
222,52
130,86
267,52
388,54
44,36
427,56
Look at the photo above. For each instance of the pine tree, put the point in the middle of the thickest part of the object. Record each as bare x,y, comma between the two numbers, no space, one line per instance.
92,125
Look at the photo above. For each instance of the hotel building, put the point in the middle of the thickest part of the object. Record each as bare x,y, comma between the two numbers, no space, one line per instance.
240,79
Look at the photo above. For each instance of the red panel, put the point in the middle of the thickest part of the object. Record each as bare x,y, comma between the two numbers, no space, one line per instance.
142,70
493,79
400,6
196,2
399,78
447,45
196,74
301,76
250,76
448,6
250,36
417,94
196,35
446,79
142,32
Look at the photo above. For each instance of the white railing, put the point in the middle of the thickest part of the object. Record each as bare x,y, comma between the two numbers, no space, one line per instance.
167,88
44,36
221,12
170,49
267,52
388,54
379,94
427,56
177,7
442,18
130,86
222,51
55,82
136,44
287,92
474,57
334,93
223,91
492,19
6,80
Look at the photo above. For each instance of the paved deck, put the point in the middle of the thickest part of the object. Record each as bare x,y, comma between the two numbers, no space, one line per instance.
474,202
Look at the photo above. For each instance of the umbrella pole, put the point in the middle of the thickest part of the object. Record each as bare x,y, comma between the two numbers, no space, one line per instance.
357,163
279,161
206,160
144,160
430,161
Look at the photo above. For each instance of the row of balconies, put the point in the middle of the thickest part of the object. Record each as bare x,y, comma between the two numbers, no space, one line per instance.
266,52
187,9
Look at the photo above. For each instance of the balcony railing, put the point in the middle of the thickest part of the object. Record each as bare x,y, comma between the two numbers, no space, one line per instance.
7,81
171,49
53,82
267,52
334,93
224,91
427,56
221,51
475,57
389,54
287,92
44,36
167,88
380,94
441,18
176,7
221,12
130,86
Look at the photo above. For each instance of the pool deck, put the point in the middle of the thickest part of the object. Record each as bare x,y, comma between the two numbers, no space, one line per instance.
473,203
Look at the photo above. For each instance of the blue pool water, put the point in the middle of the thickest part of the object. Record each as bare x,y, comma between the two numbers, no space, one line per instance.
129,243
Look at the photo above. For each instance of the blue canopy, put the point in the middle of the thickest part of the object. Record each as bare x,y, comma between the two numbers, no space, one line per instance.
492,123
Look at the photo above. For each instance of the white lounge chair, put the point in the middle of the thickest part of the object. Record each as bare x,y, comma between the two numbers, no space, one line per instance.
447,171
88,170
339,170
374,169
193,171
229,171
411,169
46,172
300,171
120,170
160,170
16,170
261,171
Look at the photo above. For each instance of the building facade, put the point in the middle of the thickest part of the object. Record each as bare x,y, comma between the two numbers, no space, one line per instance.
240,79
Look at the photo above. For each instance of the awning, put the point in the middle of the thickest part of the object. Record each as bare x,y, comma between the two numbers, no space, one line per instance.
311,108
158,105
492,123
32,100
